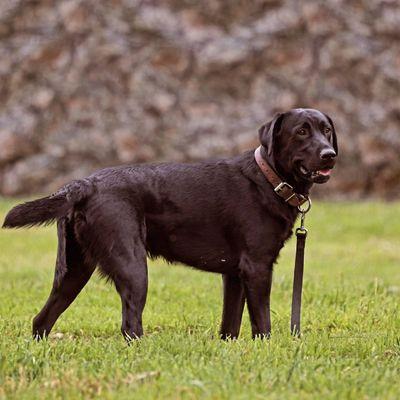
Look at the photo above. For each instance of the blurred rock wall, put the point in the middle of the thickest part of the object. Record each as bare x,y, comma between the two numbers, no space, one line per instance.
90,83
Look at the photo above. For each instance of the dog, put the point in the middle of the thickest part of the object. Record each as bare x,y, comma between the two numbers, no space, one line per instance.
225,216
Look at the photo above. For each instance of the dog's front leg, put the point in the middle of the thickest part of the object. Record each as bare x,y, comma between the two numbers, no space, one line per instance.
257,281
232,308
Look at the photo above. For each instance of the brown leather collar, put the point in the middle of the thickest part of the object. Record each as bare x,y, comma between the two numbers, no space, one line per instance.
281,188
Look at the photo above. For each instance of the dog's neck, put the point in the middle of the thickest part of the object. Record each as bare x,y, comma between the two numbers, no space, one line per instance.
300,186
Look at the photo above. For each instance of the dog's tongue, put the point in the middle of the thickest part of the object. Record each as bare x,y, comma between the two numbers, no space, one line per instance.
325,172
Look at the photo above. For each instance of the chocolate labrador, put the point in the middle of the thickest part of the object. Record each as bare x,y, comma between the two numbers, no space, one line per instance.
227,216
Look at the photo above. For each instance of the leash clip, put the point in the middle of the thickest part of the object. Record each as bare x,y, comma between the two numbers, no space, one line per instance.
303,211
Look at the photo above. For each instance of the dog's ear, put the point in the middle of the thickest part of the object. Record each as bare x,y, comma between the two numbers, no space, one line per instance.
268,131
333,137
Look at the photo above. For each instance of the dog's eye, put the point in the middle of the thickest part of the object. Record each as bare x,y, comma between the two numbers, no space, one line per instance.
327,130
302,132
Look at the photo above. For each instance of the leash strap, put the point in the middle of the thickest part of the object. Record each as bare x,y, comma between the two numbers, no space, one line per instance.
301,235
298,283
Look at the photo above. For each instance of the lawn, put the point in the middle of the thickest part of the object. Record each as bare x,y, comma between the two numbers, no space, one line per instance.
350,348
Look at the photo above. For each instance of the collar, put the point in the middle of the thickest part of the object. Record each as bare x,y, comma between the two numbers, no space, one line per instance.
281,188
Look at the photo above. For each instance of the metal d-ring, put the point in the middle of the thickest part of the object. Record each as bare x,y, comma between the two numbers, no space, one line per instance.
307,208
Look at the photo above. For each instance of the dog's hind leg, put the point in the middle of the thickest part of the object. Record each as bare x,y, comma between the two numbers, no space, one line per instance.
112,231
131,282
72,274
127,267
233,307
118,232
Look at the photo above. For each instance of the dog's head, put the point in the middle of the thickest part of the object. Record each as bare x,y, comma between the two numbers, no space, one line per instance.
301,144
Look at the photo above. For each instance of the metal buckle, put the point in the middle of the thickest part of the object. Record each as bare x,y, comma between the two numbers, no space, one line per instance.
281,187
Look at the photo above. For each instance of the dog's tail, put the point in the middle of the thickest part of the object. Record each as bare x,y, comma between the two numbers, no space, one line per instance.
46,210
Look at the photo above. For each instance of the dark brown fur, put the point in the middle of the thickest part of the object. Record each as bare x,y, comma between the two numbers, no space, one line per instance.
220,216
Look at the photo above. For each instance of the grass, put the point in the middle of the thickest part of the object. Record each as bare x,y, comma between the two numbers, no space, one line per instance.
350,347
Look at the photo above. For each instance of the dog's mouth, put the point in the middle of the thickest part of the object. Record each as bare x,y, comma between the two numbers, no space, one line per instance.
318,176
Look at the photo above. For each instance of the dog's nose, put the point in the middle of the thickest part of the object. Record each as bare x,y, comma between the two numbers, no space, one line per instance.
327,154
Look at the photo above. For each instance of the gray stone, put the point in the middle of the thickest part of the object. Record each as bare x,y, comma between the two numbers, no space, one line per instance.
86,84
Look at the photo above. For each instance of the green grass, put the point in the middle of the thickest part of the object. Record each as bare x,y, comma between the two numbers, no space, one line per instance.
351,325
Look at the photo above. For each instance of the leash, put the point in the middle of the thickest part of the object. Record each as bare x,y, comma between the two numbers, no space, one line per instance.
301,235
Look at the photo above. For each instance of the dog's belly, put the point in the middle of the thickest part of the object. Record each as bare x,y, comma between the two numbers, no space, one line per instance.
199,246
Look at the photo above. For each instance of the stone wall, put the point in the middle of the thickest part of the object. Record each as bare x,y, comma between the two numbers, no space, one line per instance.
89,83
